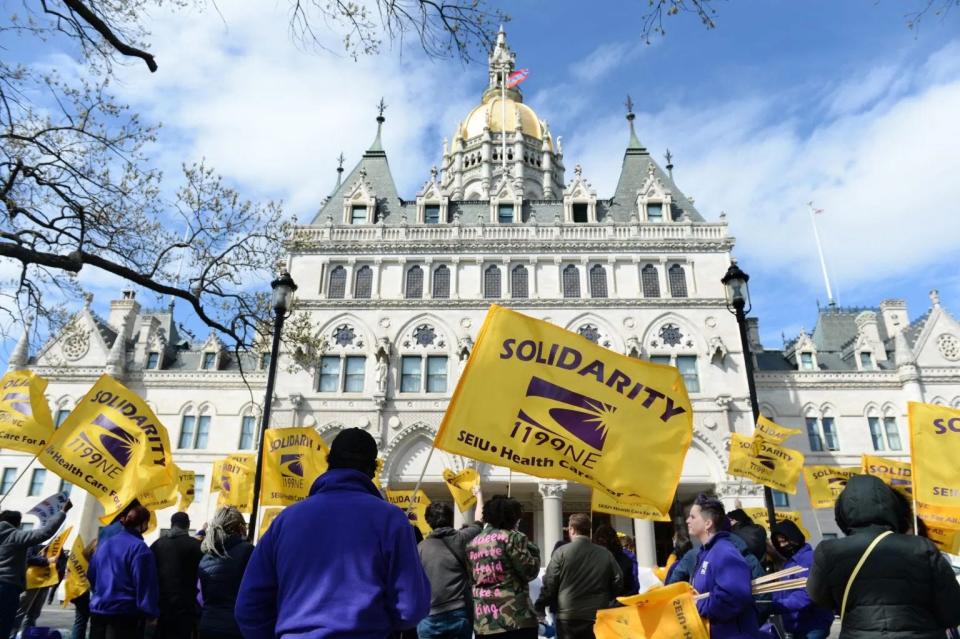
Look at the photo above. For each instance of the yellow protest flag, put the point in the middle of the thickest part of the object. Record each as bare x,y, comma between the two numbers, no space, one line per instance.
45,576
376,474
235,482
935,449
601,502
759,516
825,483
416,515
551,403
772,431
660,613
112,446
187,488
946,539
75,582
461,487
215,476
292,459
269,514
896,474
25,421
765,463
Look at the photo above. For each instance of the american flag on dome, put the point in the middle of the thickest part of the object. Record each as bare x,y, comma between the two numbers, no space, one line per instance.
517,77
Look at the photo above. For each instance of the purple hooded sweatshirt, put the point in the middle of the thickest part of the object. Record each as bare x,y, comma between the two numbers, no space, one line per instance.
342,563
723,572
123,577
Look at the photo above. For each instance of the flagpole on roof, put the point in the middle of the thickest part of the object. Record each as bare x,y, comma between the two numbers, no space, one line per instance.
503,122
823,262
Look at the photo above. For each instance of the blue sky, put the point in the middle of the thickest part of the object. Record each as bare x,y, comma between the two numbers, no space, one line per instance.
782,103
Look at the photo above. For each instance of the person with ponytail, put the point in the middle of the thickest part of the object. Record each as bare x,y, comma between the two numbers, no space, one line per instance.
124,588
225,555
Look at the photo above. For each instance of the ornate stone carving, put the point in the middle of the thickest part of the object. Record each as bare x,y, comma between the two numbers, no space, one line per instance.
739,489
552,489
949,346
76,344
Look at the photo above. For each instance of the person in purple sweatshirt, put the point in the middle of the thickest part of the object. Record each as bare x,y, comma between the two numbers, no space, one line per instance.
342,563
802,618
124,588
722,573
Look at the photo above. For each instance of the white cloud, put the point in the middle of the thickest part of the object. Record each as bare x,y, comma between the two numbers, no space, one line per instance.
603,60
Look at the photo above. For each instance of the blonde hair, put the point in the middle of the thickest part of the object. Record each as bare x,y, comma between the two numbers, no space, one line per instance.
226,522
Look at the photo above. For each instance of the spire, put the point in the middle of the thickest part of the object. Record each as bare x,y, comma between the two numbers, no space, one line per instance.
21,352
116,358
340,160
634,147
669,158
501,62
376,149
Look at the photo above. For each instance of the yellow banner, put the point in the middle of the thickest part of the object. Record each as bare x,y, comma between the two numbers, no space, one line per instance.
25,421
765,463
825,483
759,516
601,502
186,486
773,432
45,576
946,539
235,481
401,498
667,612
896,474
461,487
75,582
269,514
376,474
112,446
935,449
550,403
293,458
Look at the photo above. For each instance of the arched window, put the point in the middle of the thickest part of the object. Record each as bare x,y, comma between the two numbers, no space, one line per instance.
491,282
678,281
650,280
441,282
571,281
598,281
338,283
414,288
194,430
519,282
363,283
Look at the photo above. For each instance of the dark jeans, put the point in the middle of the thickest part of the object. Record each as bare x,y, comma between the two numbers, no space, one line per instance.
521,633
81,616
9,603
116,626
172,626
812,634
452,624
31,605
574,629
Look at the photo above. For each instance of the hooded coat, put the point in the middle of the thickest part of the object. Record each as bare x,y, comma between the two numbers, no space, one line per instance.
14,544
341,563
723,572
905,589
800,615
444,557
123,577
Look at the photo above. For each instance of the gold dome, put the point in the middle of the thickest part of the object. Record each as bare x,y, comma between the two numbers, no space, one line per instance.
491,114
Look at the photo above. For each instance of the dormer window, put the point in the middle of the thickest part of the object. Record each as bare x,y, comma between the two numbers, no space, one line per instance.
153,360
358,214
654,212
866,360
431,214
581,212
209,361
505,213
806,361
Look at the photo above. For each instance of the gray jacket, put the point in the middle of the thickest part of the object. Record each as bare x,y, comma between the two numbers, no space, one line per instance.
444,557
14,544
581,578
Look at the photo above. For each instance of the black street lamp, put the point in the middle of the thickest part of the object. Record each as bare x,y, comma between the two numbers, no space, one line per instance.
738,303
283,288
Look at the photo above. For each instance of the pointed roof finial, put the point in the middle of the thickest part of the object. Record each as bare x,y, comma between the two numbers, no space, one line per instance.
377,147
382,106
340,160
668,156
634,144
87,300
20,356
935,297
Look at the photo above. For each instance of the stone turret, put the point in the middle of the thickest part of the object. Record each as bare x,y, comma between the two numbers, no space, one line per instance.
20,356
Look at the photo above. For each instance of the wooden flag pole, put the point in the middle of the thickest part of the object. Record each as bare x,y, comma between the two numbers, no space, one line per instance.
423,471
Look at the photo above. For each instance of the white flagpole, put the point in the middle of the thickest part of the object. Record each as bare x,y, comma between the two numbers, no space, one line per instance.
503,123
823,262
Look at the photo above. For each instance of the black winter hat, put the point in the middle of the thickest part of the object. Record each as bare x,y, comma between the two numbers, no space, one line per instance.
354,448
789,530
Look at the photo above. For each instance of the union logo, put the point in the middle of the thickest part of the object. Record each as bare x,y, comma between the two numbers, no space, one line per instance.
19,402
291,465
116,441
582,417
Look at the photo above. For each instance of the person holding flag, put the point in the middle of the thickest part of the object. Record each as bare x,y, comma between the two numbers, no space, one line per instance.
801,617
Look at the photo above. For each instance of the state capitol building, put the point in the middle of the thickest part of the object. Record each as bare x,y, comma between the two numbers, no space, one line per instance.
398,286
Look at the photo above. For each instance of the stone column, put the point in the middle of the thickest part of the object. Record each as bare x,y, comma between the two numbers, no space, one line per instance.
646,543
552,493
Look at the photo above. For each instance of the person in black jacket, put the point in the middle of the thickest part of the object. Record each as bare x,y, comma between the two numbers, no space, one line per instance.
905,588
607,537
225,556
178,556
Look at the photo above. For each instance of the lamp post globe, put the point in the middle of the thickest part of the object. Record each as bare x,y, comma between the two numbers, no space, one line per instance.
736,289
283,289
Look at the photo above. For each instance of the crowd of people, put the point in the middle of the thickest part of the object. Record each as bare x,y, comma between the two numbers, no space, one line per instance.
345,563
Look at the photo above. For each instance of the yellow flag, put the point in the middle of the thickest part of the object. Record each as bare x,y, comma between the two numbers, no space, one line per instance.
376,474
601,502
215,476
235,482
461,487
44,576
759,516
765,463
186,486
896,474
667,612
75,582
292,459
112,446
269,514
825,483
773,432
548,402
25,421
416,516
935,451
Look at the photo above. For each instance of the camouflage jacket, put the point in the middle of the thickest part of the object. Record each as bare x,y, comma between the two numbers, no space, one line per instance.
502,563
